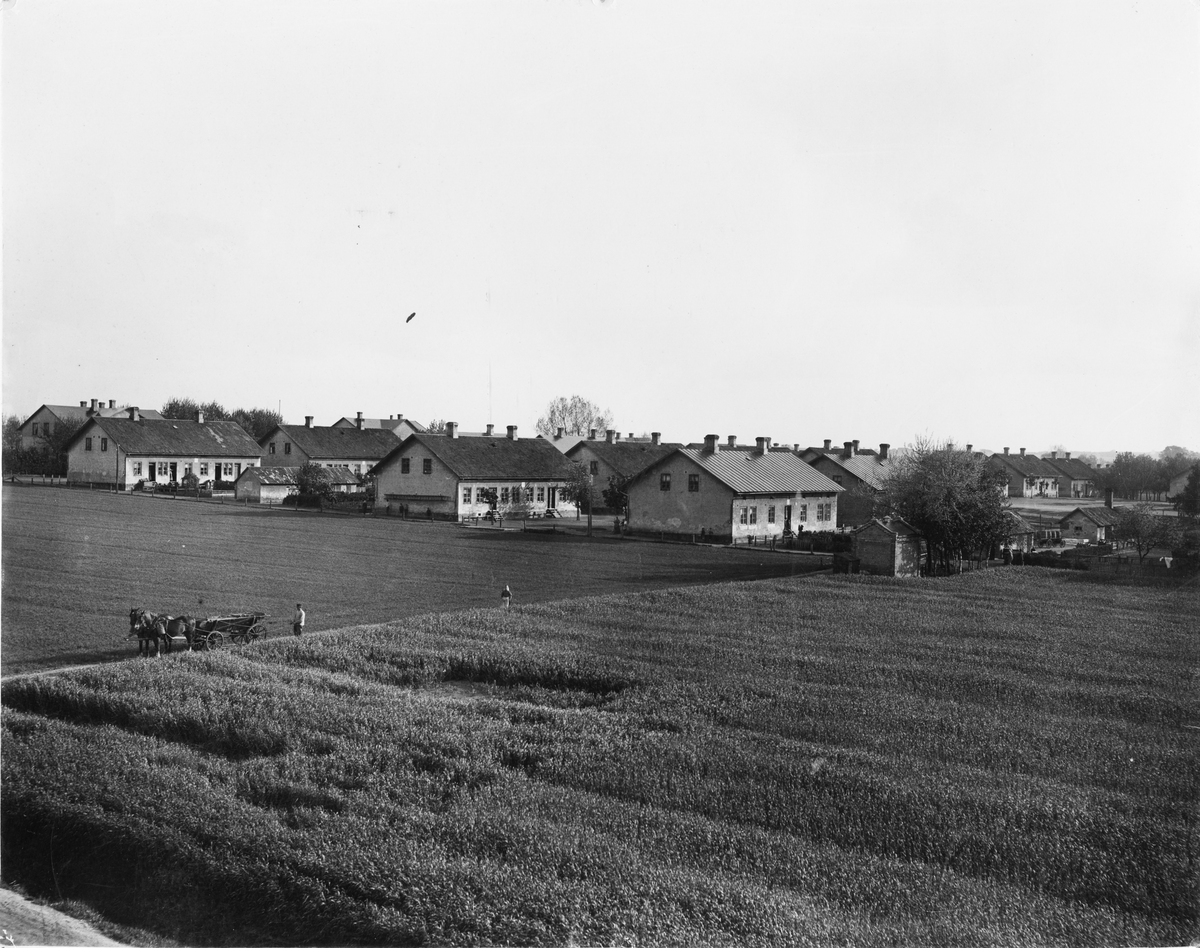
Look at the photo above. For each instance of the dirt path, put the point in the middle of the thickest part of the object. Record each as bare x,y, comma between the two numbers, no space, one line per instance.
26,923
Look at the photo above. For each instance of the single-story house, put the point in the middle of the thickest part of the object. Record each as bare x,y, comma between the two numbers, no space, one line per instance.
1093,523
123,451
453,477
731,495
398,425
352,448
1020,532
270,485
46,420
1075,479
861,471
888,547
1027,475
614,458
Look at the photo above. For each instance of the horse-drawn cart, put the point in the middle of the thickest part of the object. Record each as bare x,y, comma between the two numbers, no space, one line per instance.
157,633
243,628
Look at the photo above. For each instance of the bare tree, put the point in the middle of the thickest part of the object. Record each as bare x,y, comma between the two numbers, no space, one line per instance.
1144,529
576,415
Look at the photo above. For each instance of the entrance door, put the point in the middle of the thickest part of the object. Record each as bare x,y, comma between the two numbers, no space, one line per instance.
787,518
152,470
551,498
174,466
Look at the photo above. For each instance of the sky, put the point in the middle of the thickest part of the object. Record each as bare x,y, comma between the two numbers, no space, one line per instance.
803,220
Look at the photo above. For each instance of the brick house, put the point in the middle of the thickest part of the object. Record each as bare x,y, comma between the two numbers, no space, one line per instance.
449,476
354,449
1093,523
889,547
123,451
614,458
1075,479
1026,475
732,495
46,420
862,472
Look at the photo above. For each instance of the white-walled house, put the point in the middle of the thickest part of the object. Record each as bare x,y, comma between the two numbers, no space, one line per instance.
122,451
270,485
448,477
731,495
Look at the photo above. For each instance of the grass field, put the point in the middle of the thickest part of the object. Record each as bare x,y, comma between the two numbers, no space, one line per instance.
1000,758
75,562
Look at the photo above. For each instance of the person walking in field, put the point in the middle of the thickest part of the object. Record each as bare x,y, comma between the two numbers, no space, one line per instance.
505,596
298,620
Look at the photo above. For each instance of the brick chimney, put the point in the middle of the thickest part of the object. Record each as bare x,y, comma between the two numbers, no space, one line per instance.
491,429
1108,497
134,414
732,440
358,421
655,436
1006,450
1022,452
83,404
883,450
631,436
848,449
710,444
308,421
512,432
609,435
561,433
855,443
199,417
452,429
592,433
112,403
1068,455
969,447
761,445
828,444
1053,455
92,410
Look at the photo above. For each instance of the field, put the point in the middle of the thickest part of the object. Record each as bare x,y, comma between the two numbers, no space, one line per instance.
75,562
1005,757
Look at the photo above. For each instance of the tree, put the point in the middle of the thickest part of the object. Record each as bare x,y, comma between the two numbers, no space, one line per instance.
1187,504
615,497
437,426
313,480
575,414
1142,528
951,496
187,409
579,488
256,422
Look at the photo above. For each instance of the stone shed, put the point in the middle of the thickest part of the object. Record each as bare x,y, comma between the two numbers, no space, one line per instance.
890,547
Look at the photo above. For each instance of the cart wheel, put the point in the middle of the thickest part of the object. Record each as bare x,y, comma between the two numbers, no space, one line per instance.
258,630
215,640
240,637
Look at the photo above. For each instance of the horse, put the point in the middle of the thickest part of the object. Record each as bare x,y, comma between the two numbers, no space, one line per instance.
158,631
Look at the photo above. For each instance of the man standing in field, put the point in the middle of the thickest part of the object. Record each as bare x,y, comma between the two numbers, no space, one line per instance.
298,621
505,596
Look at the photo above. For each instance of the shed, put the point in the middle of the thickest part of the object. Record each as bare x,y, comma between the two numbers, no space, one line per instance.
889,547
1093,523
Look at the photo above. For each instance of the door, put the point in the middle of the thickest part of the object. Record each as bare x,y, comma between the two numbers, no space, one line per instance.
174,466
551,498
787,518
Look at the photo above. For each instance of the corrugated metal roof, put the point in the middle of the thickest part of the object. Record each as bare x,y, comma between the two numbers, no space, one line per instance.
868,468
175,437
337,443
491,458
775,472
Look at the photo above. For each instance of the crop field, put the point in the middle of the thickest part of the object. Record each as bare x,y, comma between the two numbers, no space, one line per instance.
1005,757
75,562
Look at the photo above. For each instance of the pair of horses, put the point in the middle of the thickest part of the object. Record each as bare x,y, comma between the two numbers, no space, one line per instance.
155,632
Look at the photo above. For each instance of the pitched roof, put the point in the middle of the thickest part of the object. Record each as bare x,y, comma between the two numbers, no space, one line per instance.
748,472
491,458
625,457
1028,465
289,475
897,526
1099,514
79,413
1017,523
868,468
172,436
330,442
1072,468
389,423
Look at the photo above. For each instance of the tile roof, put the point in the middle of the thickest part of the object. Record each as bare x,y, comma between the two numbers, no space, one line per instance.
491,458
1028,465
1099,514
1072,468
748,472
168,437
625,457
330,442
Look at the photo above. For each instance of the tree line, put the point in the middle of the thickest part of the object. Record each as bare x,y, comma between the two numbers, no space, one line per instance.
1143,477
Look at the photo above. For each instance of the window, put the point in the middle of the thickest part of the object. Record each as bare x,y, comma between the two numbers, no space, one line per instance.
466,495
204,469
479,495
541,494
504,495
187,469
228,470
837,478
664,480
803,518
35,424
693,483
404,466
427,465
137,468
162,468
87,444
743,517
594,467
754,515
287,448
824,511
770,515
528,495
271,448
104,444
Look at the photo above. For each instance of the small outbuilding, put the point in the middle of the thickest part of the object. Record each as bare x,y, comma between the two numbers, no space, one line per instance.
889,547
270,485
1093,523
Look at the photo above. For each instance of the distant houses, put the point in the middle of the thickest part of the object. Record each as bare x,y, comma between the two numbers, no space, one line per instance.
120,452
1075,479
398,425
615,459
39,426
1095,524
353,448
448,476
1026,475
731,494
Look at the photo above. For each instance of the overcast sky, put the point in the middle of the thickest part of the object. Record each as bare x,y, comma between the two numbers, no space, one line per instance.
804,220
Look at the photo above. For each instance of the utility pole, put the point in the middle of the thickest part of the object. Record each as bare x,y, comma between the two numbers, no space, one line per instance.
590,497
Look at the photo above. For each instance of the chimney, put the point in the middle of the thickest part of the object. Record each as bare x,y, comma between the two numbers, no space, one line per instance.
1022,452
112,403
134,415
92,410
358,421
308,421
733,441
761,445
1053,455
828,443
1006,450
490,431
855,443
883,450
561,434
200,417
592,432
1068,455
848,449
631,436
452,429
710,444
969,447
655,436
83,404
512,432
796,446
609,434
1108,496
